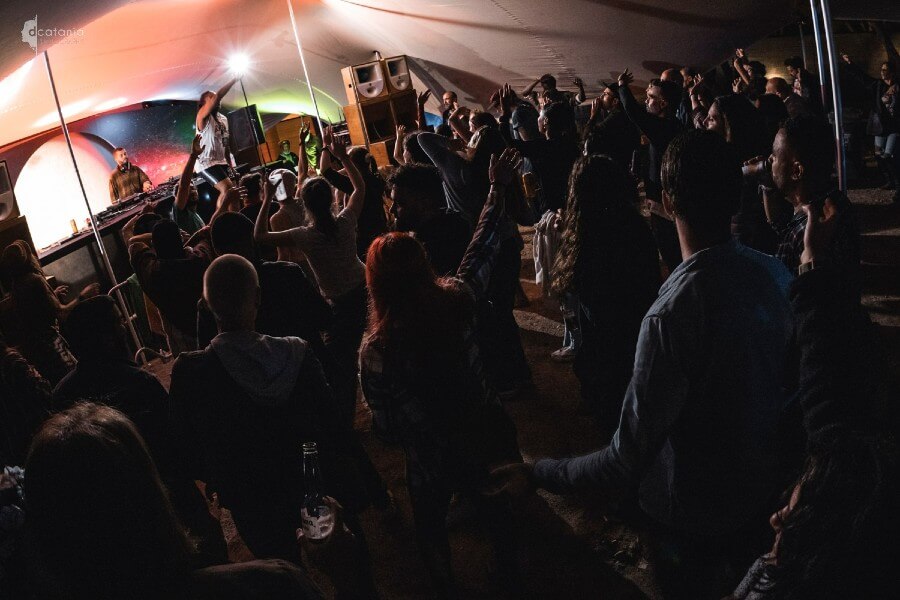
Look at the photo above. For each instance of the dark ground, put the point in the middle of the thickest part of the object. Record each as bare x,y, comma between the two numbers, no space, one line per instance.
572,547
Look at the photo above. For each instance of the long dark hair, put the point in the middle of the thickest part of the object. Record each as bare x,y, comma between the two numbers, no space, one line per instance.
745,127
98,511
602,197
409,307
840,540
317,199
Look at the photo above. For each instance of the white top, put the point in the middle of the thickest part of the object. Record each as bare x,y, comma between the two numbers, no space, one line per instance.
334,262
214,139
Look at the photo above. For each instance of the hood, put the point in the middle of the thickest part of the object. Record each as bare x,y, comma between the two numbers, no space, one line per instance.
265,367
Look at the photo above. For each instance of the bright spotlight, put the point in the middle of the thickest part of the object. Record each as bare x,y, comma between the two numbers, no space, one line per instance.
239,64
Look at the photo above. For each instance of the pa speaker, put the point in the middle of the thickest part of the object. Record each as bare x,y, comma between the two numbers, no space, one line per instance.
398,73
8,207
365,82
242,123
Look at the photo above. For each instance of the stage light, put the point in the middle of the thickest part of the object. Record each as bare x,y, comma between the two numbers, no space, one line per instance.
239,64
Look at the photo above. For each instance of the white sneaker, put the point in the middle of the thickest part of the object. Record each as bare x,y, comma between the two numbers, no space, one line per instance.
565,354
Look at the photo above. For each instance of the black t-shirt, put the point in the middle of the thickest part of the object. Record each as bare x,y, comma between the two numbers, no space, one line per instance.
445,237
174,285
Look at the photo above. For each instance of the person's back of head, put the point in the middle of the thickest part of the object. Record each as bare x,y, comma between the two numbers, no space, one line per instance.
808,141
838,535
548,81
167,240
551,96
701,181
481,119
252,182
231,292
18,260
757,68
444,130
232,233
316,194
412,150
559,120
673,75
671,93
423,181
744,125
98,512
364,161
96,331
772,113
145,223
407,306
794,62
779,86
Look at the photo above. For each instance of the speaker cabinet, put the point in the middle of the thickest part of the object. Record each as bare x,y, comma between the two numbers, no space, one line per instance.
371,122
241,125
398,73
365,82
8,207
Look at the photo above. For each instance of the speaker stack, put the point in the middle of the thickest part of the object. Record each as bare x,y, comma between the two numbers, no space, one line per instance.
380,97
246,133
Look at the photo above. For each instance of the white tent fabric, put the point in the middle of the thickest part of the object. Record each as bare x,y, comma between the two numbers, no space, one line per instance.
119,53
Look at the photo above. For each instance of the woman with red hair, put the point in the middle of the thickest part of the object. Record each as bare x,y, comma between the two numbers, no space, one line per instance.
423,378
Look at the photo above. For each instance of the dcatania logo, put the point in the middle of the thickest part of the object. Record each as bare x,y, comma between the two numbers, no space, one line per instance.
31,33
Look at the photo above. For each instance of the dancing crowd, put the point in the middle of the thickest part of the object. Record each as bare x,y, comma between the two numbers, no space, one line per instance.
707,269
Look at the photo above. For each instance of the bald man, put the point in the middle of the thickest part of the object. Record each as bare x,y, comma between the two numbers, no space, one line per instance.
246,403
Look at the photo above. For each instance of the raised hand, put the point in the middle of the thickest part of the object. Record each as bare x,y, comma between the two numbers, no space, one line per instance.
401,132
423,97
328,136
304,130
736,85
502,169
578,82
821,225
61,292
595,107
196,147
507,98
740,53
626,78
846,58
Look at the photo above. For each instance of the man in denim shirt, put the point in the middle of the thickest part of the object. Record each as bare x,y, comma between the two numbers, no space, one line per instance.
697,433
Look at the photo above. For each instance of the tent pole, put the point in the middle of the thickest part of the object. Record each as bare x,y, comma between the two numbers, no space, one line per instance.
841,157
802,45
94,226
312,94
820,57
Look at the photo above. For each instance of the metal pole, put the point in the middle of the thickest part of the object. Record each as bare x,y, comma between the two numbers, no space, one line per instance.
94,226
841,156
802,45
253,119
312,94
817,34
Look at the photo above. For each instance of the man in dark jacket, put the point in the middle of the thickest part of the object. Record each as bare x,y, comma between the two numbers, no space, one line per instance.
613,134
246,404
656,121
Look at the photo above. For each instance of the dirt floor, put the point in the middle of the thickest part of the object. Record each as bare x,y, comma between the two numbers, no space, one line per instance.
574,546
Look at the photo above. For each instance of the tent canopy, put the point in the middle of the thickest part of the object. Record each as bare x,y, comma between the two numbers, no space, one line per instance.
120,52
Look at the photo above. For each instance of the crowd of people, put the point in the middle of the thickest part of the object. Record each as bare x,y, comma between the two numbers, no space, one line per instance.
707,268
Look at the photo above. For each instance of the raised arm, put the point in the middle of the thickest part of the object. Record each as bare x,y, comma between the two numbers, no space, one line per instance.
456,120
302,159
421,99
398,144
530,89
207,108
739,66
261,233
647,123
478,261
358,195
184,184
580,96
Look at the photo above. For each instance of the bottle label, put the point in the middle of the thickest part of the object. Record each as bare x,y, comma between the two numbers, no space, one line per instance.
318,522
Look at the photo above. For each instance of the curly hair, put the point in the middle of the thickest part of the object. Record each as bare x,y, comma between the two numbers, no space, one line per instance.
601,195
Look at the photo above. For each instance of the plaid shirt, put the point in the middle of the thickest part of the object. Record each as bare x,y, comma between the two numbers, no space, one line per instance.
125,183
393,389
845,252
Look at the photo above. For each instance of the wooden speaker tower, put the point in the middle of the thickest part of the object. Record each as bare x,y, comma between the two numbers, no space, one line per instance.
380,97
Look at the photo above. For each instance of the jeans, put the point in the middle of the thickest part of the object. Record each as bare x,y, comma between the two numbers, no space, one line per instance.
886,144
